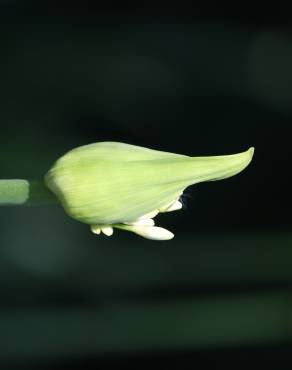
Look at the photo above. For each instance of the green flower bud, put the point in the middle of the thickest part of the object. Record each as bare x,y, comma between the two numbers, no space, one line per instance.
111,184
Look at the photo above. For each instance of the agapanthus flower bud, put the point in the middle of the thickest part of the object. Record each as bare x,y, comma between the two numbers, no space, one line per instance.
115,185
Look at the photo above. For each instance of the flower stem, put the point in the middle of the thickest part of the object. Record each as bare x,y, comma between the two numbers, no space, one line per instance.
25,192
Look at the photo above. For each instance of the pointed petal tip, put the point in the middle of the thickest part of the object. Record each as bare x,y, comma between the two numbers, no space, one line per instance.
251,151
231,165
246,156
249,156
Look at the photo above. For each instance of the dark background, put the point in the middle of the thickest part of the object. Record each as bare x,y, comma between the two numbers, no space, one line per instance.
196,80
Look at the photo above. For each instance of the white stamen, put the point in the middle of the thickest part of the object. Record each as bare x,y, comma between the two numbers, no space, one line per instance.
142,222
152,232
174,206
107,230
149,215
95,229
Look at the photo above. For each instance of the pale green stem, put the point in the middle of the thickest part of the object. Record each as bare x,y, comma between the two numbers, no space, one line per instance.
25,192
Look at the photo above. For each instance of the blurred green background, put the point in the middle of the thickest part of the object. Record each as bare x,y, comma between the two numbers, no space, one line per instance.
185,80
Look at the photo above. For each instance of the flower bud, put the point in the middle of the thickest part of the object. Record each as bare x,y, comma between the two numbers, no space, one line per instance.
111,184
